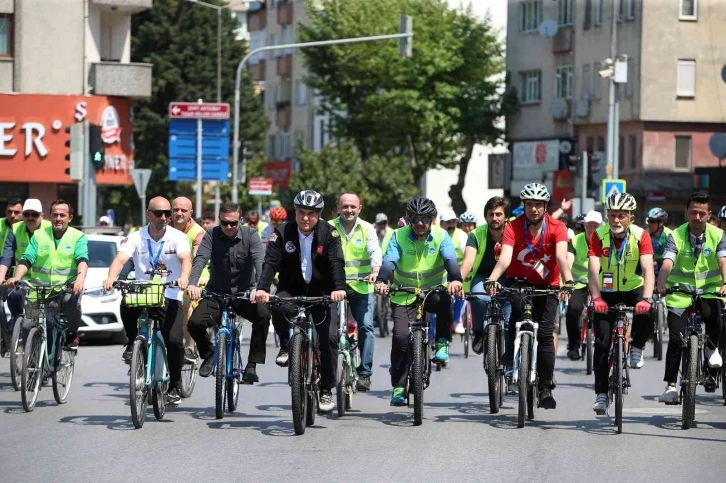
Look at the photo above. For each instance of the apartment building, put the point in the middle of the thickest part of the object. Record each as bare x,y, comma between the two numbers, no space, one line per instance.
62,62
672,103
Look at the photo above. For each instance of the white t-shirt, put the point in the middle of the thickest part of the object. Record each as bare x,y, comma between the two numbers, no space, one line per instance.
142,248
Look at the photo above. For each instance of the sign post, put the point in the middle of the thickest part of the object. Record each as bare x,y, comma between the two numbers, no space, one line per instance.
141,179
198,209
611,186
259,187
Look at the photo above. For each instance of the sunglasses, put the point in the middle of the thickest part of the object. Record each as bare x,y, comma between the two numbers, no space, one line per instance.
230,224
31,214
160,213
415,220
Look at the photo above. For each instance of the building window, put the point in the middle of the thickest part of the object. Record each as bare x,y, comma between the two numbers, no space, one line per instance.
564,12
6,35
530,14
688,10
683,152
596,80
285,144
597,11
287,39
601,143
586,81
621,153
686,78
531,87
301,93
563,82
631,78
590,145
257,40
272,98
633,154
272,146
626,10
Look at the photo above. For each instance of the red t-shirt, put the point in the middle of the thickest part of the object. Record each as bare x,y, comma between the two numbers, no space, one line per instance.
645,246
523,259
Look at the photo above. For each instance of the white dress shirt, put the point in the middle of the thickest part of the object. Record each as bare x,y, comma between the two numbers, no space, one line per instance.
306,255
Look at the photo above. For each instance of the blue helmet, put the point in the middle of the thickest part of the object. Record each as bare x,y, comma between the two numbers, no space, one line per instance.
658,214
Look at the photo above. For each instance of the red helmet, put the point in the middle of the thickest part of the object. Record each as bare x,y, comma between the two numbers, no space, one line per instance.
278,213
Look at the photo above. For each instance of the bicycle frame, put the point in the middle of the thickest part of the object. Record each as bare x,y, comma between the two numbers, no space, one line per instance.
150,332
620,331
344,346
49,350
228,328
526,326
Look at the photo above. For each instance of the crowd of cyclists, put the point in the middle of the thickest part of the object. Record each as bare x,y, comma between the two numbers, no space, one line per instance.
596,262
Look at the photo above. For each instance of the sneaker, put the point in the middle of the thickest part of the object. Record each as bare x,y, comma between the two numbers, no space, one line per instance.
601,404
442,350
709,383
459,328
205,370
573,354
364,384
713,357
173,397
636,357
477,344
326,401
282,358
546,400
512,388
249,376
670,396
398,398
72,341
128,352
190,356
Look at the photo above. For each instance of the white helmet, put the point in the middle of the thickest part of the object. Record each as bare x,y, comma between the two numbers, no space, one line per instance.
534,192
467,217
309,199
620,201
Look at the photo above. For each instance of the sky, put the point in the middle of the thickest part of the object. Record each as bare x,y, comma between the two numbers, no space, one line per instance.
497,9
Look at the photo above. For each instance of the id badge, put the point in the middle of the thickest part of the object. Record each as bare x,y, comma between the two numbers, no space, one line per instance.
607,282
540,268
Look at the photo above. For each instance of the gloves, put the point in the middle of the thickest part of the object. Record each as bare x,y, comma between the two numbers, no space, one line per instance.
642,307
568,288
600,305
490,284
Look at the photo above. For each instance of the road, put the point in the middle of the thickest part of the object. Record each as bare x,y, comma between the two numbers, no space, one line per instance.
91,437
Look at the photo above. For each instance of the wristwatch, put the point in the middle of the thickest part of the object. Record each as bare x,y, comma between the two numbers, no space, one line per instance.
648,299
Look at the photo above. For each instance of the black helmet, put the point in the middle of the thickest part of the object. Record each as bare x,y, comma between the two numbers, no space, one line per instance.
421,207
309,199
579,219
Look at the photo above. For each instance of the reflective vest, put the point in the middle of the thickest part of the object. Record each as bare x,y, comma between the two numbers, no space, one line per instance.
261,225
624,275
386,240
458,233
22,239
580,264
661,242
4,230
355,250
192,234
420,265
55,264
480,233
702,273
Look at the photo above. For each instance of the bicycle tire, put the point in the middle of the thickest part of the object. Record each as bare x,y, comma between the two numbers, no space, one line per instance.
32,369
6,334
232,381
466,319
298,386
158,400
491,359
63,372
313,374
689,382
524,351
188,379
618,369
138,391
341,384
589,350
417,376
220,374
354,368
312,407
17,349
659,329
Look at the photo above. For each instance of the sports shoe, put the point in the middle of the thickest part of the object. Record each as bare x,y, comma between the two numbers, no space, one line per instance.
364,384
713,357
477,343
282,358
205,370
573,354
128,352
250,374
190,357
326,401
709,383
546,400
601,404
442,350
398,398
636,358
459,328
173,397
512,388
72,341
670,396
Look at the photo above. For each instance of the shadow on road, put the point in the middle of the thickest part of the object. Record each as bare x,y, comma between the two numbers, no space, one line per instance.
275,428
116,423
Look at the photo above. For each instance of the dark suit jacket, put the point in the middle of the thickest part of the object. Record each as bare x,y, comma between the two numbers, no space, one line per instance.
283,257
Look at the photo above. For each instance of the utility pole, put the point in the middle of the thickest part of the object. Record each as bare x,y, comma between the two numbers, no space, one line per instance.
612,165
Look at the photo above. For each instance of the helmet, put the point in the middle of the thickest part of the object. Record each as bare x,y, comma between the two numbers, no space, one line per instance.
381,218
620,201
421,207
534,192
467,217
722,212
579,219
657,214
278,213
309,199
402,222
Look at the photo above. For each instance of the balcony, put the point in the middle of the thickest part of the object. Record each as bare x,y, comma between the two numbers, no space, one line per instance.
562,41
284,65
284,13
126,6
258,71
257,20
284,114
122,80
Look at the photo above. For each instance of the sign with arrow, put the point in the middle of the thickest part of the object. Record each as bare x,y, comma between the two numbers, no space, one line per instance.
198,110
141,179
611,186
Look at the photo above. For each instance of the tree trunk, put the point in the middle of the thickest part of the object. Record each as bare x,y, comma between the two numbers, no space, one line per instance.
456,191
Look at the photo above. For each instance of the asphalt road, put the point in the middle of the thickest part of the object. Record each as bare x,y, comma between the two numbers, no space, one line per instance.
91,438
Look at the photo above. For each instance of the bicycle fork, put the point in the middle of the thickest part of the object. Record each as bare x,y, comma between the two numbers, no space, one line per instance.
517,345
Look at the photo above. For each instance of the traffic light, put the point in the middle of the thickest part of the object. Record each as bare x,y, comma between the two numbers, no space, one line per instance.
74,156
95,147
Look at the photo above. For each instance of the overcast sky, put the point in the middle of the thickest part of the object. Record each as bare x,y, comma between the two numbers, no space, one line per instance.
497,9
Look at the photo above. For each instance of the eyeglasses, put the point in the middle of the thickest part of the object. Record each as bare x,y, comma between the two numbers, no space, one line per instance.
31,214
160,213
230,224
415,220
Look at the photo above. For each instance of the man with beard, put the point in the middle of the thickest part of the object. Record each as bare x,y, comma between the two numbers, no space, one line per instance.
384,231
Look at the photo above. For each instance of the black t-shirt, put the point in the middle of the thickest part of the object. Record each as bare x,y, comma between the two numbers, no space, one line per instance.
490,258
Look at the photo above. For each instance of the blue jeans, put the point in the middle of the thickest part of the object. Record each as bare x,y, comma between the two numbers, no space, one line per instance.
361,306
480,304
458,309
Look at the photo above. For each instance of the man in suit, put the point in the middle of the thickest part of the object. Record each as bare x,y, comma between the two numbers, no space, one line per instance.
308,256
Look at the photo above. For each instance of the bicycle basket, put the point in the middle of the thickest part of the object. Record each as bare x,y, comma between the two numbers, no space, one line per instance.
145,296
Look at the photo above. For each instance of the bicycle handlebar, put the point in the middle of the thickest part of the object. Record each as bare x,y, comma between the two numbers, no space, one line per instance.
416,290
206,294
302,300
129,284
620,309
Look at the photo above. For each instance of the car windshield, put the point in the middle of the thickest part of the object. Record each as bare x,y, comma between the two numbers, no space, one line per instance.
101,253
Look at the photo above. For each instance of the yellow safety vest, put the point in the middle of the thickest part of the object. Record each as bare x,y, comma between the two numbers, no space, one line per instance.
625,276
22,239
386,240
355,250
480,233
192,234
580,265
420,265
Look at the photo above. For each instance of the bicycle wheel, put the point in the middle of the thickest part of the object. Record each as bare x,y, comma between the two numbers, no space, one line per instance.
188,379
589,349
417,376
618,396
138,391
466,319
355,364
491,361
340,386
313,375
220,375
5,332
158,399
689,381
63,373
32,369
233,379
298,384
525,348
659,329
16,354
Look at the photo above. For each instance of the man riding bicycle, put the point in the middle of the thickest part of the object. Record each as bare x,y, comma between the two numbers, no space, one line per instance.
459,238
578,224
620,271
722,217
278,215
13,214
308,256
694,257
468,221
420,255
383,231
540,244
657,218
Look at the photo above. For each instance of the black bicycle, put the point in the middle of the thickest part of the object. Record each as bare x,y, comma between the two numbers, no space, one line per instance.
658,315
382,314
494,346
619,379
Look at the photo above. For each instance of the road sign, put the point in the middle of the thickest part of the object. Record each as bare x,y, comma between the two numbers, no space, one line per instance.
141,179
260,187
183,150
612,186
197,110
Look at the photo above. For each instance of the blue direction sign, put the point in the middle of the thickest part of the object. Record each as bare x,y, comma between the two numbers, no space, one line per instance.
610,186
183,150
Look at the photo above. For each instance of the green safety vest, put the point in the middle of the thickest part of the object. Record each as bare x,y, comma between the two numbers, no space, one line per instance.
4,230
355,250
580,264
55,264
22,239
457,248
261,225
386,240
480,233
703,273
192,234
420,265
625,278
658,254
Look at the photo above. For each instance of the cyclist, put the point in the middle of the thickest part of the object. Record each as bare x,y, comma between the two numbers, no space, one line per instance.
577,257
657,219
620,271
278,215
236,255
694,256
468,222
482,253
253,221
578,224
534,247
54,255
160,253
419,255
383,231
13,214
401,223
308,256
448,221
722,217
208,221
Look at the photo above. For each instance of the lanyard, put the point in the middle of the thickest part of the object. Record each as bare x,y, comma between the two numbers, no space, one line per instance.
656,246
619,252
541,237
154,259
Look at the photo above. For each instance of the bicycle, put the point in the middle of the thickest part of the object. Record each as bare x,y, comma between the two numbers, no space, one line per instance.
659,313
348,360
227,353
382,314
149,374
587,335
619,378
304,361
16,353
466,320
40,359
494,343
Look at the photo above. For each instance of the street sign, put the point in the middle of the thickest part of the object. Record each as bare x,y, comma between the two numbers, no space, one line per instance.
141,179
259,187
612,186
198,110
183,150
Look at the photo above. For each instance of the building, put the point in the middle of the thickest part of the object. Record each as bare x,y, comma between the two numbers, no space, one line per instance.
64,62
672,103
